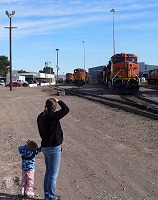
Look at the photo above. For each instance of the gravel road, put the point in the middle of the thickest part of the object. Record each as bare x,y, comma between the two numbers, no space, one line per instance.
108,153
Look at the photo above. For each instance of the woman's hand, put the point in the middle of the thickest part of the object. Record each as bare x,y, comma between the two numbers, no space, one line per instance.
56,100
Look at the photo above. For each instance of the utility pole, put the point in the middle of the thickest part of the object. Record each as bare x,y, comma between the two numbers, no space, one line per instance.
10,36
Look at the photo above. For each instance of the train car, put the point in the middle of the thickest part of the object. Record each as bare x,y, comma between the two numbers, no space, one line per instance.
69,78
121,73
153,76
79,77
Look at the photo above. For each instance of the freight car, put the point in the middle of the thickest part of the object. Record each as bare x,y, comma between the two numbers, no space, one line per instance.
121,73
153,76
69,78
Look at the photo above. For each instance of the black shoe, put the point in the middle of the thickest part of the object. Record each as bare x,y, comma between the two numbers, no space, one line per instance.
59,197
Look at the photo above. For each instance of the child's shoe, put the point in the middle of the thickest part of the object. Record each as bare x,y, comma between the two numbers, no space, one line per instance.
22,191
29,192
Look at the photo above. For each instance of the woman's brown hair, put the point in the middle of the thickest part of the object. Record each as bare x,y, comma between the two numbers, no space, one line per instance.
51,105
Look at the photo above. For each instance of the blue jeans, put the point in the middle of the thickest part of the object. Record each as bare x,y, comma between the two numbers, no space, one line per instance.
52,161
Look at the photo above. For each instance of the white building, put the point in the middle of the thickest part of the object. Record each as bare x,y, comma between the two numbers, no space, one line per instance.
30,76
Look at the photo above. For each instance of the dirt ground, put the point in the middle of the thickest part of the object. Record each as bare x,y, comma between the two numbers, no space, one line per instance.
108,153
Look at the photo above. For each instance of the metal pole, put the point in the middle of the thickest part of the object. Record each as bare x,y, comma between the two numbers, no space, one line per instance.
113,11
50,73
45,70
10,45
84,60
57,65
10,38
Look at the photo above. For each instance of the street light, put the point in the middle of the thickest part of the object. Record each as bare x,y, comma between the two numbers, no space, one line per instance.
10,36
83,53
46,65
50,73
57,65
113,11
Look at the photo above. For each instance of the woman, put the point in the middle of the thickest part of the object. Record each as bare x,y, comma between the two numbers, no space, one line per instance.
52,137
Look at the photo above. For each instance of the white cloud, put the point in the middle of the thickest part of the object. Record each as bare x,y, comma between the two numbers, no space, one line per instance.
61,8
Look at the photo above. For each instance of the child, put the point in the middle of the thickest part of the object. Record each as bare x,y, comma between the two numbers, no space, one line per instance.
28,153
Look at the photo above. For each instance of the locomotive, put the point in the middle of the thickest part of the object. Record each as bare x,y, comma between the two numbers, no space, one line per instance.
69,78
121,73
153,76
88,78
81,77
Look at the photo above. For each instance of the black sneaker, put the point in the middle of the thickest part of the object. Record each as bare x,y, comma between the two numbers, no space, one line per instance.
59,197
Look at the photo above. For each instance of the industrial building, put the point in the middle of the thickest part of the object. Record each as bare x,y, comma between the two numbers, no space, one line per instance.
144,69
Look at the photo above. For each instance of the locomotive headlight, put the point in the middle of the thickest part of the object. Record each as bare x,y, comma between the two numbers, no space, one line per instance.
126,64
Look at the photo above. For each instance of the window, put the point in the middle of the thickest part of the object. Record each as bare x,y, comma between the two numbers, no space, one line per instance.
118,59
131,59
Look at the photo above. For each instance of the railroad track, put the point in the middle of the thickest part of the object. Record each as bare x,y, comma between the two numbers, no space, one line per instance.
149,86
149,105
128,104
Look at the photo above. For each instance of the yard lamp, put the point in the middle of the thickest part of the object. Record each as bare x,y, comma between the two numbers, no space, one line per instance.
57,65
113,11
84,59
50,73
10,36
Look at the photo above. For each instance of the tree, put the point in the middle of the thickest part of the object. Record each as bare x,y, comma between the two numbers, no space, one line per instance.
22,71
4,64
47,70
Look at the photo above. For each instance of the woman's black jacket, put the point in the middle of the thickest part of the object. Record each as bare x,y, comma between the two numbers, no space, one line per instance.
49,126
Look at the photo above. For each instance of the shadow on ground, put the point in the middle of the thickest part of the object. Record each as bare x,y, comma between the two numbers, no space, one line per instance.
4,196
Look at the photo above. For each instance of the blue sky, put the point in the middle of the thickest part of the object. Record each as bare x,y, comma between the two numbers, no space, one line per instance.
44,25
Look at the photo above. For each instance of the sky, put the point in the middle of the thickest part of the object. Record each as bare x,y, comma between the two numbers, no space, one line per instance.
46,25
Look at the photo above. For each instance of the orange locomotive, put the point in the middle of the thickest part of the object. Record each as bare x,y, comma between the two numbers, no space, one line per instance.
121,73
88,77
69,78
79,76
153,76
